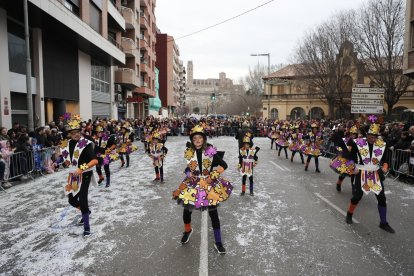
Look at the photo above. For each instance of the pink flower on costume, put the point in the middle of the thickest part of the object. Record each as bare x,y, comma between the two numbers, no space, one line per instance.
378,152
210,151
361,142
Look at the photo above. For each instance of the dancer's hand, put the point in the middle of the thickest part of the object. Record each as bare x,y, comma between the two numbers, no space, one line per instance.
77,172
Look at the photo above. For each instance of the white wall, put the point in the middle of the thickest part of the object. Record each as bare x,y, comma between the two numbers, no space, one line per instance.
5,120
85,93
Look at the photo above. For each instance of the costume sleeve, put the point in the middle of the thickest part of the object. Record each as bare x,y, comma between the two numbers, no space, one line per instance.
218,161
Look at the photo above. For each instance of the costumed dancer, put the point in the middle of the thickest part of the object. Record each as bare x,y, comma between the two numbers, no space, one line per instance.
273,135
125,139
78,154
344,163
247,161
282,141
313,146
157,151
296,142
105,145
372,166
203,187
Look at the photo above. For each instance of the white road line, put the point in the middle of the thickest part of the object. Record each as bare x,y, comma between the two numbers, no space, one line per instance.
286,168
277,166
203,270
334,206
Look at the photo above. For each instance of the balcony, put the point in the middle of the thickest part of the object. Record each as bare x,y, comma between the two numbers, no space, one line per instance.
143,43
144,91
143,67
116,15
129,17
129,47
143,21
127,77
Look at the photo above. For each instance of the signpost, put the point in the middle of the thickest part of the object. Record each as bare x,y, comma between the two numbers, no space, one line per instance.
367,100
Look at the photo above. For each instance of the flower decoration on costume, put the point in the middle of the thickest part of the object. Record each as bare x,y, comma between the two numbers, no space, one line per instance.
83,167
188,153
66,116
361,142
76,154
372,118
214,174
380,143
82,143
366,161
363,152
76,117
74,124
74,162
206,163
378,152
210,151
63,144
65,153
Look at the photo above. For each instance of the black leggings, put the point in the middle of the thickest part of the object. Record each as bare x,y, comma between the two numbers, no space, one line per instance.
106,169
160,170
121,156
382,200
212,211
280,149
300,153
316,160
80,200
244,178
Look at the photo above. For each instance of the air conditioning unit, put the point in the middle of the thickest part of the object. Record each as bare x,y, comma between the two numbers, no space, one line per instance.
118,98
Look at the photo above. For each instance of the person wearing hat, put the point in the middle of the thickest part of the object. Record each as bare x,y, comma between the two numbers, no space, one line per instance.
242,132
203,187
344,162
313,147
372,166
296,142
157,151
78,154
282,141
273,135
125,139
247,161
105,145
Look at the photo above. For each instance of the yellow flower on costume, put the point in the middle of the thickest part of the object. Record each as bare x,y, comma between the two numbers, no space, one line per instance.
134,147
76,117
380,143
113,156
188,153
83,167
363,152
206,163
63,144
214,174
74,124
76,154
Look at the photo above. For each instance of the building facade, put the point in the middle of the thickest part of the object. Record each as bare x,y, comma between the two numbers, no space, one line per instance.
136,77
288,96
171,70
74,49
200,91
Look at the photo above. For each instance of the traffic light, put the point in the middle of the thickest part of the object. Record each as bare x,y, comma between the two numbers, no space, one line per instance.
213,96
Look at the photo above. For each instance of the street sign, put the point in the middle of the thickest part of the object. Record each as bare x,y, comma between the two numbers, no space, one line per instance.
372,109
368,90
367,102
368,96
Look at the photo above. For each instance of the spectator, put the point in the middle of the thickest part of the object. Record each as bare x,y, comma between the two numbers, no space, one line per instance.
3,134
404,143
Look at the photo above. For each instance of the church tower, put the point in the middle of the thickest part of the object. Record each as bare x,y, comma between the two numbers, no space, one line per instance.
189,73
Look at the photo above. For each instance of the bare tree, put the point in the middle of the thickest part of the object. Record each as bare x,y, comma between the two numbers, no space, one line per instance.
318,63
380,41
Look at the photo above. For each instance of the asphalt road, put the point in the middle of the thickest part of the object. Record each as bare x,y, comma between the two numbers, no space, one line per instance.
294,225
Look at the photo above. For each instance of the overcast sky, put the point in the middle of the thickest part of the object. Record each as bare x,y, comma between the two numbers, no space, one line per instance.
274,28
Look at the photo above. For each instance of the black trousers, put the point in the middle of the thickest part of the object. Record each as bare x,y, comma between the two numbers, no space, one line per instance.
382,200
300,153
106,169
316,160
121,156
280,149
212,211
160,170
81,198
244,178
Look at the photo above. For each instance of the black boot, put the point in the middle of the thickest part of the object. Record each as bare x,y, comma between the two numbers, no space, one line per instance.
348,218
387,227
108,181
338,187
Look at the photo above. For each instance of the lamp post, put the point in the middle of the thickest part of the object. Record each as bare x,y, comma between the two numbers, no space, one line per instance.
268,74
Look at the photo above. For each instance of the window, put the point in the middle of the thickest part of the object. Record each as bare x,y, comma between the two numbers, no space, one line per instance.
412,34
100,77
95,18
72,5
17,48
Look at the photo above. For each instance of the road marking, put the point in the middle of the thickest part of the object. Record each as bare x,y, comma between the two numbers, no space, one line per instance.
277,166
203,270
286,168
334,206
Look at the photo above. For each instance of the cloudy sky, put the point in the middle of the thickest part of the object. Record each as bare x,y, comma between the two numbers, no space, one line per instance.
274,28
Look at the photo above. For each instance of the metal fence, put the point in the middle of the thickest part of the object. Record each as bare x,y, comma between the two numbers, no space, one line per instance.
402,163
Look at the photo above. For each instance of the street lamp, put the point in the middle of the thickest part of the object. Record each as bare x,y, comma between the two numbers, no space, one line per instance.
268,74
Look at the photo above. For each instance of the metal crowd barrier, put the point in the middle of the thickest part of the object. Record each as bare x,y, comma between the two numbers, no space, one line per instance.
44,159
402,163
19,164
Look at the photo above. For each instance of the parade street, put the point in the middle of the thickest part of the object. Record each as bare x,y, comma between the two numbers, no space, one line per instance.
293,225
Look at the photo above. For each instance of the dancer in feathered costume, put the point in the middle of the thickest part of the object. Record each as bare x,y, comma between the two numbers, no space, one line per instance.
372,166
296,142
344,162
247,161
78,154
313,146
157,151
203,187
125,139
282,141
105,150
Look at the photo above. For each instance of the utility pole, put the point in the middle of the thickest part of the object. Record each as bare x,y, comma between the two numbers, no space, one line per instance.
30,123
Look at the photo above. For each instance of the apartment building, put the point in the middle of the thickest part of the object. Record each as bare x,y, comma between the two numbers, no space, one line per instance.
171,72
136,78
75,46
